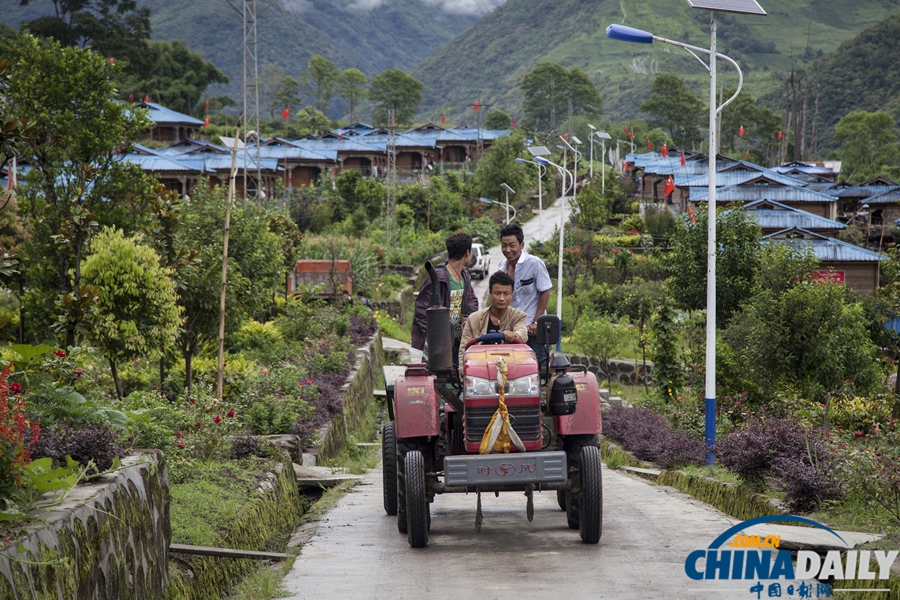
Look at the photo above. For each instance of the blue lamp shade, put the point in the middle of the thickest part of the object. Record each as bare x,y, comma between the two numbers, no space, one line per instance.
629,34
521,160
541,160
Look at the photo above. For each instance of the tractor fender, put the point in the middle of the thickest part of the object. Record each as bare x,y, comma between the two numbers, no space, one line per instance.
586,418
416,406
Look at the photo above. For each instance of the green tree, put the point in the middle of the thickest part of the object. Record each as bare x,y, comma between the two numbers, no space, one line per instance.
497,119
113,28
255,268
319,81
13,130
499,166
351,88
278,90
172,73
667,370
868,142
549,89
312,120
675,109
135,312
395,90
738,237
77,181
600,337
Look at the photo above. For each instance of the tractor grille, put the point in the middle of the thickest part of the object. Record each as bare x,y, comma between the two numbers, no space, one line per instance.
526,420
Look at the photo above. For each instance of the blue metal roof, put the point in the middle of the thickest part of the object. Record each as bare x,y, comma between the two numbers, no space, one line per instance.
891,196
295,153
826,249
779,193
161,115
804,168
869,188
333,144
777,216
729,178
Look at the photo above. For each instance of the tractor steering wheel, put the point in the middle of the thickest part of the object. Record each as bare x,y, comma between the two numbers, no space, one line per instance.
487,338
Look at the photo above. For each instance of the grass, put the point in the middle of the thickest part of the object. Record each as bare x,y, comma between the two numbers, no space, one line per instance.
852,516
391,328
264,583
713,472
211,497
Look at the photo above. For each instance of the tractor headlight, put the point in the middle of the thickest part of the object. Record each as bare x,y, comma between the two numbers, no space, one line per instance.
529,385
477,387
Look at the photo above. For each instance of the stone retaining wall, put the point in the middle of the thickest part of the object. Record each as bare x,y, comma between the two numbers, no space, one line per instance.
358,395
631,372
109,539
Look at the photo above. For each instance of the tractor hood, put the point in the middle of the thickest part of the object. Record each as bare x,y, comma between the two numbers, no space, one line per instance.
481,361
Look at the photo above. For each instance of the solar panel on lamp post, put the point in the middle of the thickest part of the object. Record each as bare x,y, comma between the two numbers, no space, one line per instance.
562,224
637,36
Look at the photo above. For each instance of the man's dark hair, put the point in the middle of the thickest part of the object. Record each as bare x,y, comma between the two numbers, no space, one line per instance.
359,293
500,278
513,229
458,244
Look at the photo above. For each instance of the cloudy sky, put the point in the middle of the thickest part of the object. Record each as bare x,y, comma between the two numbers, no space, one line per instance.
465,7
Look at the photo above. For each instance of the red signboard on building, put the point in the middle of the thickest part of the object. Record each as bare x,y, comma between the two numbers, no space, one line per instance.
835,277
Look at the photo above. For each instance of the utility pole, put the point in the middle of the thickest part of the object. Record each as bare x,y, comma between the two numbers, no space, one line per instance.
481,109
392,168
251,93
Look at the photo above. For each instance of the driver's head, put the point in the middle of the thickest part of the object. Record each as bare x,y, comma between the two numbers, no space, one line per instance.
501,289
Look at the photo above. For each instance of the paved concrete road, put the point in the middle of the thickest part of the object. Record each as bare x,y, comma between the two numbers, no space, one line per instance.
648,531
532,232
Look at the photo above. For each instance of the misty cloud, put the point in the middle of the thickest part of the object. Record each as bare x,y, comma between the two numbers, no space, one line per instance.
466,7
366,4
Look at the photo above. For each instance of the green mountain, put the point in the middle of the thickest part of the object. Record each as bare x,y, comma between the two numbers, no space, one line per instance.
493,55
393,34
867,68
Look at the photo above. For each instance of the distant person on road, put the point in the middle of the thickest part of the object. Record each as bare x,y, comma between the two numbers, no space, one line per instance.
456,292
498,317
532,282
363,300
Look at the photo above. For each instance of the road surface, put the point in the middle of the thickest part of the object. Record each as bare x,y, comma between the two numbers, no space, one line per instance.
648,532
532,232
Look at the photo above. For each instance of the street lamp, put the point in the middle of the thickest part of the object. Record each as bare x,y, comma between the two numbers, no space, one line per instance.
591,140
629,34
574,170
489,201
508,190
541,171
602,136
562,224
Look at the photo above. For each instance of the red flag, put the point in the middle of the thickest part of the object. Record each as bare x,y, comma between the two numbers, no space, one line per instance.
691,214
443,118
741,131
649,144
779,134
515,122
131,98
286,113
631,134
341,135
476,106
565,135
746,155
665,150
682,158
206,122
624,130
670,186
207,105
147,98
627,168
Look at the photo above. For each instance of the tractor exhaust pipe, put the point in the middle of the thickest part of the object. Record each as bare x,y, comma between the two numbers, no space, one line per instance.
438,335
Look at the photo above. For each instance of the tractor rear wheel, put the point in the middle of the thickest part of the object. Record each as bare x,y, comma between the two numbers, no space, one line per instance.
417,509
389,467
590,514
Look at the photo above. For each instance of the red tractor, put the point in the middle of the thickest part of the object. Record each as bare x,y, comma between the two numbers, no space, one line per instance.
438,422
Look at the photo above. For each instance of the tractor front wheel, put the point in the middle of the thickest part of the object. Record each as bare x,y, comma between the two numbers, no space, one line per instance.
417,509
389,467
561,499
590,507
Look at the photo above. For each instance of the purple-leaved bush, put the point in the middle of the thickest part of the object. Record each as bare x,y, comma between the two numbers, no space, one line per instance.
362,330
650,437
795,458
84,443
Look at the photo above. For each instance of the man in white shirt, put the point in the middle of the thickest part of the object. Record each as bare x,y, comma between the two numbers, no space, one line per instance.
532,289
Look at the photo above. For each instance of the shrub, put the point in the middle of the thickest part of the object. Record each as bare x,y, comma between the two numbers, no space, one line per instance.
362,329
796,458
651,437
17,438
88,442
872,473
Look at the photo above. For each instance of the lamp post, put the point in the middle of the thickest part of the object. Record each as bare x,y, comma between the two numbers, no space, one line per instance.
562,225
629,34
507,189
489,201
602,136
573,179
591,140
541,171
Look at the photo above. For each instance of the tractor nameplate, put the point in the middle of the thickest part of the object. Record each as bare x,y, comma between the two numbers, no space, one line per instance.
525,467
